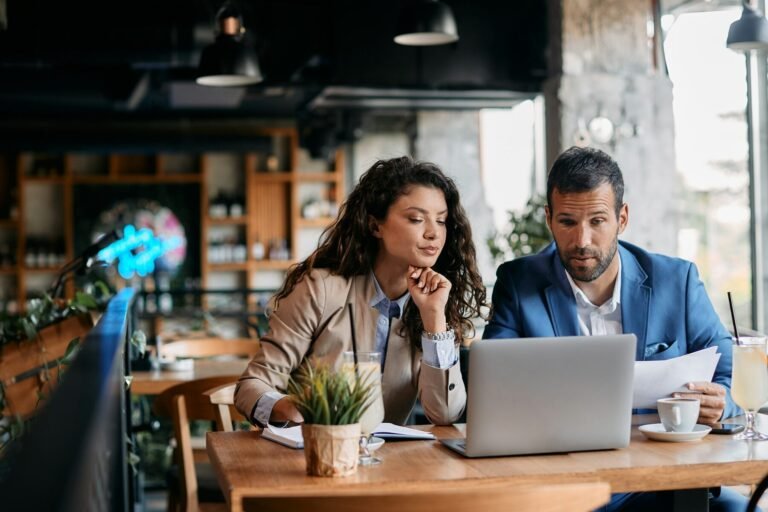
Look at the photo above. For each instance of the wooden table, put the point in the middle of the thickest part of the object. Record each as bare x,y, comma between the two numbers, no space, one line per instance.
156,381
249,467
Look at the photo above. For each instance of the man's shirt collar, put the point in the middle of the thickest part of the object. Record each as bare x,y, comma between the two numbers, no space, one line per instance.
611,305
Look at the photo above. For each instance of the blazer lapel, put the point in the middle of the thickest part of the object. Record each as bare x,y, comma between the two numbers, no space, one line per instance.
365,316
561,303
635,300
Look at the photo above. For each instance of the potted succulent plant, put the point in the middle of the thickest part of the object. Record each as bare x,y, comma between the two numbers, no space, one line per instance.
331,403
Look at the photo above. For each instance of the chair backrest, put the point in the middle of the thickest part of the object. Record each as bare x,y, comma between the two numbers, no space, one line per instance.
209,347
578,497
223,400
183,403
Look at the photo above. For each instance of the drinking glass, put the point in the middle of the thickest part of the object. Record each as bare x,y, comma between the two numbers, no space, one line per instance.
369,368
749,386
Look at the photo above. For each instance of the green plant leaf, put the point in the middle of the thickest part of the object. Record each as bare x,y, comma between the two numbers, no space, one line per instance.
325,397
525,233
69,354
86,300
29,328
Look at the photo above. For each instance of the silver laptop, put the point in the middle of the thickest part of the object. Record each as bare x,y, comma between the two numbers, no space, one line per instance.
547,395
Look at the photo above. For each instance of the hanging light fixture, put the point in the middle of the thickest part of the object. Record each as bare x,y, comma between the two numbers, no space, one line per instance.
231,59
426,23
750,32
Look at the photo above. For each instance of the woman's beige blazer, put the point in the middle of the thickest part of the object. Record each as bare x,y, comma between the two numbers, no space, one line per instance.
313,321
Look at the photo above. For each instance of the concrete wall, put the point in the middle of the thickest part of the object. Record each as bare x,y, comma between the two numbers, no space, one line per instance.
604,67
449,139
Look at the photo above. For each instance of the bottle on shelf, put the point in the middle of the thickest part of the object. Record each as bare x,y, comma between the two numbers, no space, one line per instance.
217,209
151,301
165,299
236,206
52,254
30,254
240,252
41,256
229,244
257,250
189,298
278,249
214,252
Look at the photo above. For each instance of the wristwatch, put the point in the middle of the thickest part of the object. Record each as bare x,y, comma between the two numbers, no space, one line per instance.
438,336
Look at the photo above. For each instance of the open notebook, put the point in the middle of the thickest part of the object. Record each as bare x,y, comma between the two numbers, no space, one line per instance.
292,437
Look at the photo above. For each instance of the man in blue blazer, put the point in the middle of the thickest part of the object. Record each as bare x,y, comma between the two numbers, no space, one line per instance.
588,283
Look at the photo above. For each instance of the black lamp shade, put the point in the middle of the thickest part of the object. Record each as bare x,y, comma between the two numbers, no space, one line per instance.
750,32
426,23
229,61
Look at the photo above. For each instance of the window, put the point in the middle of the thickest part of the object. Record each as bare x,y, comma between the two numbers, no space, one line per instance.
709,102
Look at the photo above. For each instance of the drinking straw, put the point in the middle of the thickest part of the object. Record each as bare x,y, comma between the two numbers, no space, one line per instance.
733,319
354,339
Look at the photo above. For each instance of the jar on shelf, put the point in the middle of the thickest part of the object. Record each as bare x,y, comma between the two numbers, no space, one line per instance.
217,209
239,252
30,254
278,249
236,207
257,250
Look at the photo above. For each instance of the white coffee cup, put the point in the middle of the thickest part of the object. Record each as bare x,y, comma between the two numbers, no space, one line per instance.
678,414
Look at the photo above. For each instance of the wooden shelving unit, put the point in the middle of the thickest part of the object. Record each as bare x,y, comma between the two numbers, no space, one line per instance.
317,222
269,179
272,204
228,221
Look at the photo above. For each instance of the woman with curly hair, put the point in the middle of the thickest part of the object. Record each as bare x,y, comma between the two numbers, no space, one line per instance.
401,252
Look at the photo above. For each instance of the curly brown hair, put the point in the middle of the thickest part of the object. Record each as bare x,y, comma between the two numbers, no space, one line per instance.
348,248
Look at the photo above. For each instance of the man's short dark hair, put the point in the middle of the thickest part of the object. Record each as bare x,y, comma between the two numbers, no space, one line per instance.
584,169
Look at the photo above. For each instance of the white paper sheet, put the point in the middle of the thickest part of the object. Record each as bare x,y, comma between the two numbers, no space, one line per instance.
659,379
392,431
292,437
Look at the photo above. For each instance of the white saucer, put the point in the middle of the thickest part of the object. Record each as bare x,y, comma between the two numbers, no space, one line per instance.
375,443
657,432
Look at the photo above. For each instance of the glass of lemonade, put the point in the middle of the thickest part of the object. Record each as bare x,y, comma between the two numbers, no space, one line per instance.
749,386
369,368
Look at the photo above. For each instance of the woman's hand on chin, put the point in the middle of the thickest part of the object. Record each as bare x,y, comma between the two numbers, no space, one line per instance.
429,291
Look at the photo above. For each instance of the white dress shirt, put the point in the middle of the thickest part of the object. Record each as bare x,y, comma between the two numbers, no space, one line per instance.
603,319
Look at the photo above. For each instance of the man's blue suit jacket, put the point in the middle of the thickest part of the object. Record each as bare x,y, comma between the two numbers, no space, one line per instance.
663,302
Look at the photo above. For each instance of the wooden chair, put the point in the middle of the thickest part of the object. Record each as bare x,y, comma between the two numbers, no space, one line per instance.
223,400
208,347
494,497
183,403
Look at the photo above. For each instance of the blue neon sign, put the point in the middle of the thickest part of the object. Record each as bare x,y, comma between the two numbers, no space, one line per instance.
137,251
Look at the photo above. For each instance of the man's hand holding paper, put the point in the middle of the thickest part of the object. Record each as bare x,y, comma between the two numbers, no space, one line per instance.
690,374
